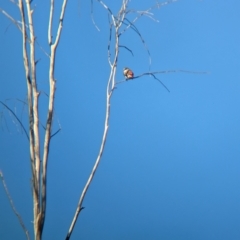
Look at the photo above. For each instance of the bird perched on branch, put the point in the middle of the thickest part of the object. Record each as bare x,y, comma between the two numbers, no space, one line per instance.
128,73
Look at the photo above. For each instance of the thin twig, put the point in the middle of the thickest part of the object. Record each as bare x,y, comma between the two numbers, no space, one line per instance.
147,13
95,25
13,207
19,121
56,132
15,22
162,72
109,10
134,28
41,48
129,79
176,71
126,48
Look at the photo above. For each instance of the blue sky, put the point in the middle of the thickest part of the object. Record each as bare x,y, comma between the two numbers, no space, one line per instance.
170,169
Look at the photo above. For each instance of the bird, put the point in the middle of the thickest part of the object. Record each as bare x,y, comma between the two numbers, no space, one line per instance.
128,73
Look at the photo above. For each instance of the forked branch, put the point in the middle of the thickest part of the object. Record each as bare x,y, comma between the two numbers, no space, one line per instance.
118,25
39,173
115,24
29,62
52,88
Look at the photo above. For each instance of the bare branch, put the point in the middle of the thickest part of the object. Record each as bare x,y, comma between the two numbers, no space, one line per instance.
141,13
60,22
104,138
159,81
29,87
56,133
109,43
50,23
176,71
109,10
13,207
142,75
19,121
117,23
52,89
93,17
30,72
147,13
126,48
15,22
162,72
134,28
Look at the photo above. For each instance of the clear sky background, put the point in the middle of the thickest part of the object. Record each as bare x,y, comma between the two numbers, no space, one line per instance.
171,166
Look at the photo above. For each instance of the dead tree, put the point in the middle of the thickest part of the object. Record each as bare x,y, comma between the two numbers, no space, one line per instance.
119,24
38,164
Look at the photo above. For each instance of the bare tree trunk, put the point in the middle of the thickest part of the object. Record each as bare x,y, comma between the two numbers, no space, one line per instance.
116,23
39,172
